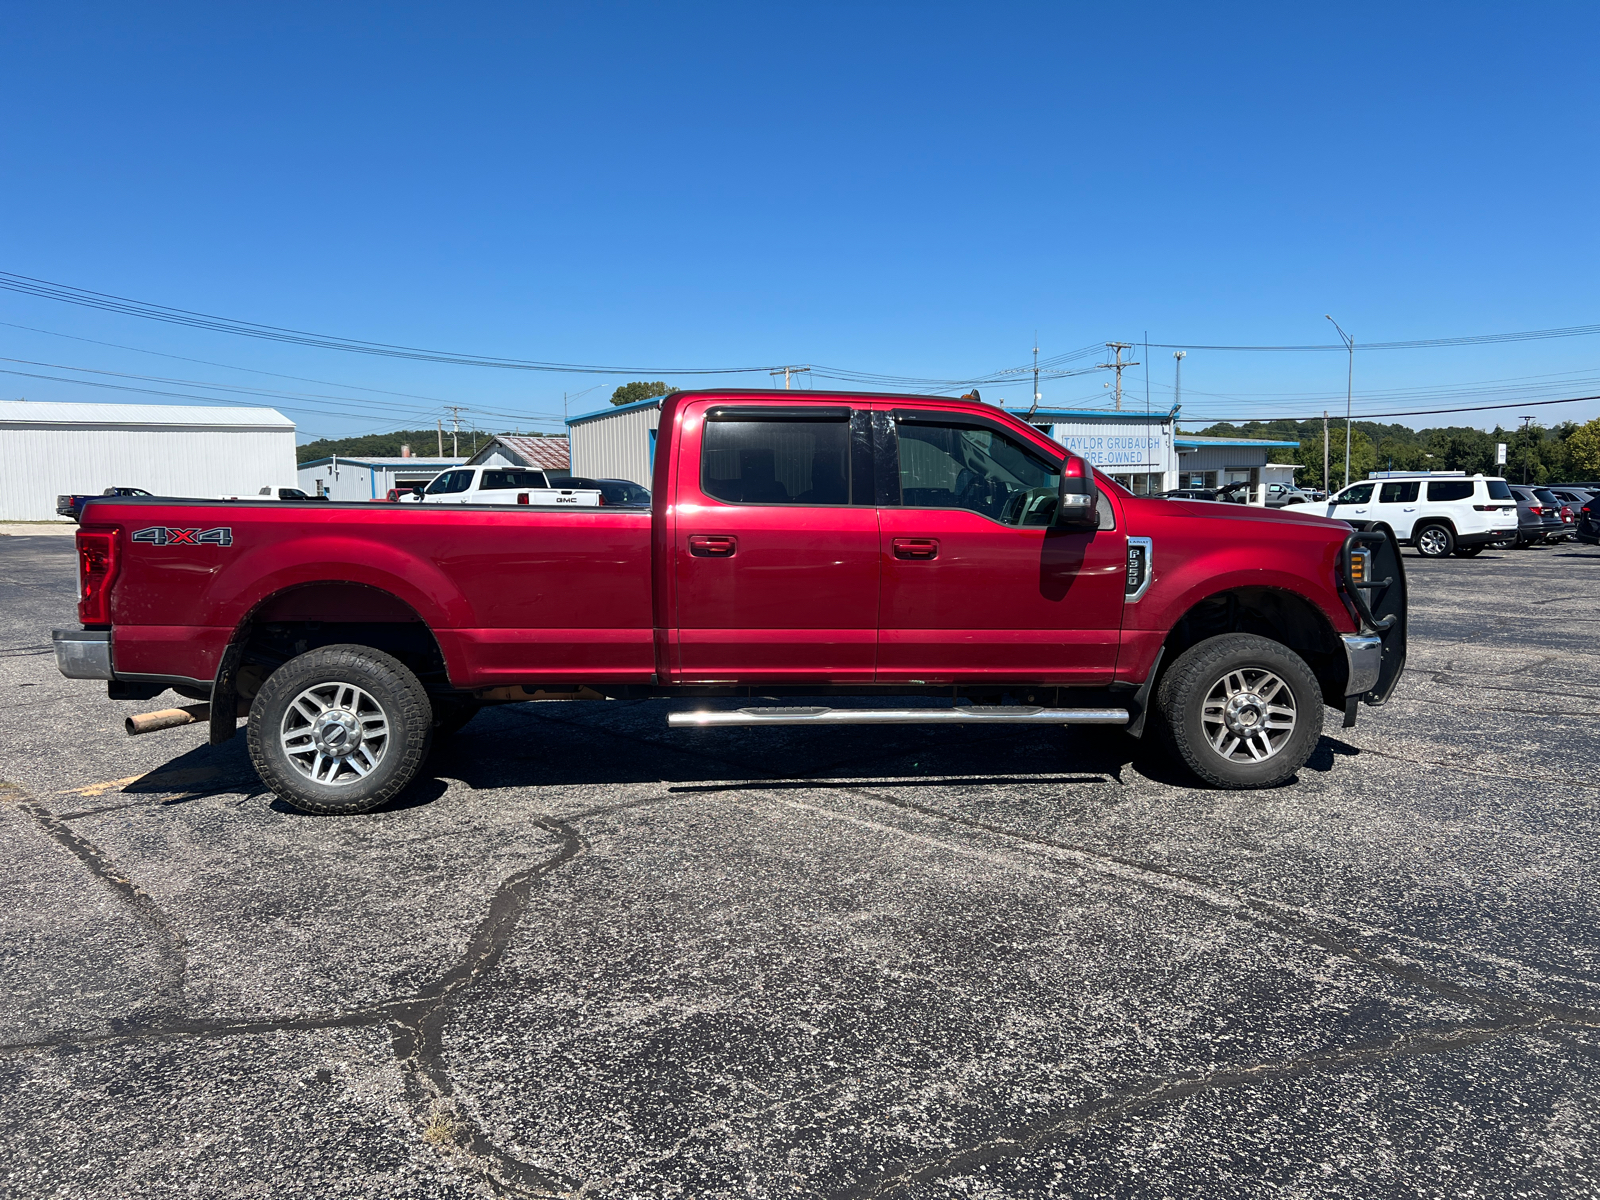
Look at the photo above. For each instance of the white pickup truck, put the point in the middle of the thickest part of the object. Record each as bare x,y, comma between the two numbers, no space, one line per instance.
501,485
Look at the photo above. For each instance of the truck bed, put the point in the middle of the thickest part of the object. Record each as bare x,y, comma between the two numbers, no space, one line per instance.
508,592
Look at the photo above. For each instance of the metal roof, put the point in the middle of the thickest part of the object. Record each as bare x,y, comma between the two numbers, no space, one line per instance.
1081,414
1200,443
365,461
548,453
653,402
139,416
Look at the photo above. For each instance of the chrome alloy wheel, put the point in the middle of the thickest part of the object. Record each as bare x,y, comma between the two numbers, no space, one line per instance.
335,733
1248,715
1433,542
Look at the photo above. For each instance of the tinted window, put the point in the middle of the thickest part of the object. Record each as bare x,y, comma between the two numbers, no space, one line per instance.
1500,490
1451,489
440,484
1359,494
1546,496
1398,493
624,495
981,470
494,481
776,462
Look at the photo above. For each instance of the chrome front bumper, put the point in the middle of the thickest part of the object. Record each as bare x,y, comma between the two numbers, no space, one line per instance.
83,653
1364,654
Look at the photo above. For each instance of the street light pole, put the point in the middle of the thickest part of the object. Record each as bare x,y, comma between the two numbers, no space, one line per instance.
1349,384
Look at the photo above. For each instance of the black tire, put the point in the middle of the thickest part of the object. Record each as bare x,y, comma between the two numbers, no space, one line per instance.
1468,551
1183,697
372,687
451,713
1434,541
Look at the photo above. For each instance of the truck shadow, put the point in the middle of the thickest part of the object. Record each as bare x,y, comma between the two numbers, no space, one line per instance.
595,745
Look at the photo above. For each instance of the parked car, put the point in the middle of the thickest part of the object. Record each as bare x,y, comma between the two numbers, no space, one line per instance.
1279,495
502,485
1536,524
1573,496
270,493
942,553
1587,526
1440,516
614,493
1562,510
72,506
1190,494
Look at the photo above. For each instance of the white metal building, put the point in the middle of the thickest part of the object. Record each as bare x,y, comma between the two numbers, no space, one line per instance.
1209,462
1134,448
617,442
367,477
52,449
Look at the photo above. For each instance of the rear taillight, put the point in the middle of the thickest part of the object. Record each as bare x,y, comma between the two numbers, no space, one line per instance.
602,499
97,568
1536,509
522,497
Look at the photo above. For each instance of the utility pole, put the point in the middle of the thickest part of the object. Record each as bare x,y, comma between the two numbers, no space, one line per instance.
786,371
1525,421
1349,383
1177,377
1118,366
1036,396
1325,451
441,438
455,430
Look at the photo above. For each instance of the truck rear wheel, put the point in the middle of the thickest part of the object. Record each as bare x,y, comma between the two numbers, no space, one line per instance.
340,730
1241,711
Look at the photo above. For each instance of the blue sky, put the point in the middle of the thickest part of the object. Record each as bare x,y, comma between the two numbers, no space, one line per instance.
903,189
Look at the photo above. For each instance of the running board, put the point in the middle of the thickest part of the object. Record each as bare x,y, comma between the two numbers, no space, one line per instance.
974,714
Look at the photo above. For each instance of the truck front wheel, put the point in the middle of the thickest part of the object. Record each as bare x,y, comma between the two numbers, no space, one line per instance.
1241,711
340,730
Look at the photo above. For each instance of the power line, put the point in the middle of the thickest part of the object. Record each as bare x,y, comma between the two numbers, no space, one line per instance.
1416,412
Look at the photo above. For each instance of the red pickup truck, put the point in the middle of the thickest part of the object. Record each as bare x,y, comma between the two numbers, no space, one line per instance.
935,560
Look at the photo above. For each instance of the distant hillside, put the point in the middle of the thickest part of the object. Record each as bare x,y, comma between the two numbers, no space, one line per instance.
424,443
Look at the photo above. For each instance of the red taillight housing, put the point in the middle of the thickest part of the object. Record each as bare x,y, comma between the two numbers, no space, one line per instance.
1536,509
97,568
522,497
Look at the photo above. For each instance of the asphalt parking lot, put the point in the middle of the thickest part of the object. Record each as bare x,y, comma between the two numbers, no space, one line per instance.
588,956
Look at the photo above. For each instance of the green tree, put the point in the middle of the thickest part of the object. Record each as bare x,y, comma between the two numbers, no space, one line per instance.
1583,450
632,393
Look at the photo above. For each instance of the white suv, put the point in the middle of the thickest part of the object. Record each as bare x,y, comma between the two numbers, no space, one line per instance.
1439,514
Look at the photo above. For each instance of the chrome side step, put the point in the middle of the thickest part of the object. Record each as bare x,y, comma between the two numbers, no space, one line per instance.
972,714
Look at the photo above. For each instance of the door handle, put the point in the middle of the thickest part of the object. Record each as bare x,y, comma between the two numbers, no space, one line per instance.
916,548
711,545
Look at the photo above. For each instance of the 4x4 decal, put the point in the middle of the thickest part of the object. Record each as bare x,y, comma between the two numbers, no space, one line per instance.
162,535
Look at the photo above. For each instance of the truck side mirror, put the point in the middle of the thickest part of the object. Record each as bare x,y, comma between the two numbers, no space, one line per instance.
1077,506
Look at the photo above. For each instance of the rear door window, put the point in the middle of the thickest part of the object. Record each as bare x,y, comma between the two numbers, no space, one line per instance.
1440,490
1499,489
753,459
1399,493
495,481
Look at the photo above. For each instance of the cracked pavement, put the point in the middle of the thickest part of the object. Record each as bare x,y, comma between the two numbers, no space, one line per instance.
586,956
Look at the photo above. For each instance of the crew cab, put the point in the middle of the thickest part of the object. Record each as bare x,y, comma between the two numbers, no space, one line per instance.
500,485
932,560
